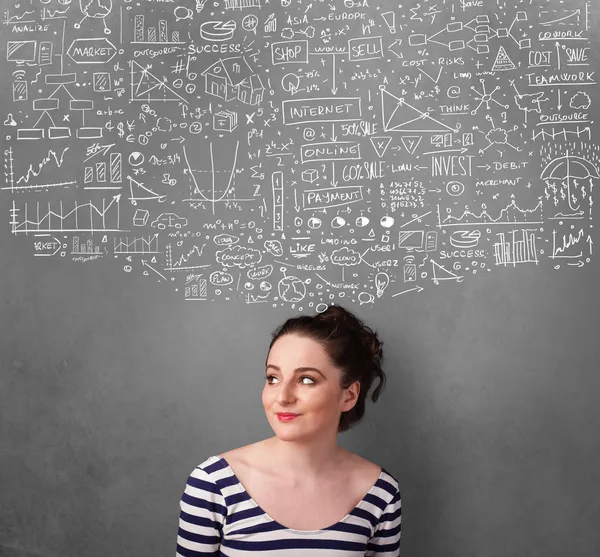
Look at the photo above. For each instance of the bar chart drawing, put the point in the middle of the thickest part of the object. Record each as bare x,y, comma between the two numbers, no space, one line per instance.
113,173
143,35
195,288
520,248
85,248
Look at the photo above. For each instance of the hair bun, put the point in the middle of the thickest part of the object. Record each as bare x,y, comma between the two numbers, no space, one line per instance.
368,338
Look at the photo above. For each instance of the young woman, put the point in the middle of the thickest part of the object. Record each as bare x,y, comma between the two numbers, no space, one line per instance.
298,493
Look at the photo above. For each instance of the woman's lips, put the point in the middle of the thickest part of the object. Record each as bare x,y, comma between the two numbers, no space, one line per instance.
287,417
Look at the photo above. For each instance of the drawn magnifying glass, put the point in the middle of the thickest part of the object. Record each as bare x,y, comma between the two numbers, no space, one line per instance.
181,12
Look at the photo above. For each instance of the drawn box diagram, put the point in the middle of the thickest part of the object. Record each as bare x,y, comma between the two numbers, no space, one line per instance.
140,218
310,175
331,197
327,109
365,48
339,151
289,52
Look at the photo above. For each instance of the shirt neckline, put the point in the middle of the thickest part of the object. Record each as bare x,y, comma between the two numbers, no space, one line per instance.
267,515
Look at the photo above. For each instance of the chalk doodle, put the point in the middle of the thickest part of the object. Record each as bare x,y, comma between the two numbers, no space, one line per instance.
297,153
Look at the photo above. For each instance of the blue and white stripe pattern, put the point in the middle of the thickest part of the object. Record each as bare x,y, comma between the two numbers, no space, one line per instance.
218,517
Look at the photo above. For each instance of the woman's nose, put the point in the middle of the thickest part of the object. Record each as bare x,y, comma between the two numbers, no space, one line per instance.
286,392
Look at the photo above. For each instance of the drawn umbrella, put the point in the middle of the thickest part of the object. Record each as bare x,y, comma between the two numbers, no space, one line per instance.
568,169
96,9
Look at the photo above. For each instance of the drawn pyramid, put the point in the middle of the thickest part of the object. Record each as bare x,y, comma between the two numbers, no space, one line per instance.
503,62
411,142
149,88
398,115
380,144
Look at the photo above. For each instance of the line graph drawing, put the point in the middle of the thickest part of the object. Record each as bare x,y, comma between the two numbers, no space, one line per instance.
35,172
18,19
511,214
10,174
563,249
139,245
185,262
87,217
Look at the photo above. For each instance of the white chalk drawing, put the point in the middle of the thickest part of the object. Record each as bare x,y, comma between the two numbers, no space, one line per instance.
297,153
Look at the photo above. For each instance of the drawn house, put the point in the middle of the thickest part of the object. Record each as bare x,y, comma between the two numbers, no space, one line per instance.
233,78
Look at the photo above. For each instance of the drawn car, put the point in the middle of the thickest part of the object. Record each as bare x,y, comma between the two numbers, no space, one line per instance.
170,220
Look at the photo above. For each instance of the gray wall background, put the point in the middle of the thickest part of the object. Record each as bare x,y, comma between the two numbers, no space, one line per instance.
112,392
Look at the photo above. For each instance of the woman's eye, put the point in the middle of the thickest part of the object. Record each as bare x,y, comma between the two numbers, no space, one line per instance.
269,377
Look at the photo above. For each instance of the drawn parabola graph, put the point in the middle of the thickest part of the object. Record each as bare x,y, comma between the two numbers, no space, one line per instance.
220,191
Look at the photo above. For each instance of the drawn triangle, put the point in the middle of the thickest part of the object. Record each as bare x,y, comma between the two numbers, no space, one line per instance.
503,62
398,115
150,83
441,273
146,193
411,142
380,144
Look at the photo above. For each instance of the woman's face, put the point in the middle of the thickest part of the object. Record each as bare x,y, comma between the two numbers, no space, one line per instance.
301,379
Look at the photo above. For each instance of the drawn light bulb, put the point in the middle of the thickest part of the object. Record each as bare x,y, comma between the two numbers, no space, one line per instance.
381,282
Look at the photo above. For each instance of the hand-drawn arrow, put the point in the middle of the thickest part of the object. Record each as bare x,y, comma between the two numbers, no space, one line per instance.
417,288
333,182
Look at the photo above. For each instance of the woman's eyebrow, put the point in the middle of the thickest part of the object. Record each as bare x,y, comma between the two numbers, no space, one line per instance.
298,369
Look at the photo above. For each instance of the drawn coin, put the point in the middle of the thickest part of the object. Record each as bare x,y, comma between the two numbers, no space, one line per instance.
455,188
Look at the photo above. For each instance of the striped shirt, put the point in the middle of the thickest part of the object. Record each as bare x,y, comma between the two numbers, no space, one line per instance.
218,517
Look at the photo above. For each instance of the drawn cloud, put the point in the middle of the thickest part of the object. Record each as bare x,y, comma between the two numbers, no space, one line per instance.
580,101
238,256
345,256
497,135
